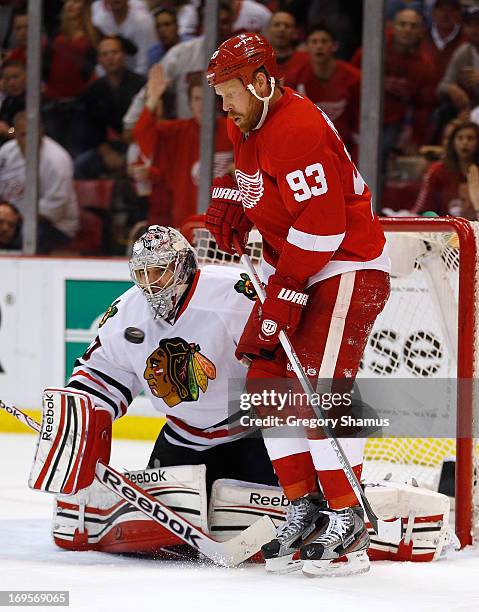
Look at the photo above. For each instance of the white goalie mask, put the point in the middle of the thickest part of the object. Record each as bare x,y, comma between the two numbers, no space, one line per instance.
162,265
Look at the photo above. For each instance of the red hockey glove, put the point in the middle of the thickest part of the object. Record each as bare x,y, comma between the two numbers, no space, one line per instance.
281,310
225,214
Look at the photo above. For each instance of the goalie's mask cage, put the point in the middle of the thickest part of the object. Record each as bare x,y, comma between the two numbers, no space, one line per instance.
162,265
427,330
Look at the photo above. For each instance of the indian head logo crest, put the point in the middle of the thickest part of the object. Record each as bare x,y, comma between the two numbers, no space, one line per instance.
176,371
251,187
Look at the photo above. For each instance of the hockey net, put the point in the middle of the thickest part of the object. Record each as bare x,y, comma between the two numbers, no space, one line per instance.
427,330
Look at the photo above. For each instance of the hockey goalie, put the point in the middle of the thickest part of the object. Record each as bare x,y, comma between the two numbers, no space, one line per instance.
173,336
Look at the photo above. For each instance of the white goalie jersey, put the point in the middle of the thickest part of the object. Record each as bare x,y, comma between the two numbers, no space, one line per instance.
188,370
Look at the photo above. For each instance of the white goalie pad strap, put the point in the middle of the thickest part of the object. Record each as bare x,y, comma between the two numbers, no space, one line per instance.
99,519
66,420
235,505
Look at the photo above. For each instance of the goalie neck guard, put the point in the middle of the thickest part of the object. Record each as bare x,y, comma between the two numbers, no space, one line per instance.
240,57
162,265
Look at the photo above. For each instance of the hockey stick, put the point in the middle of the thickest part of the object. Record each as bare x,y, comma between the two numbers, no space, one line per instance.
389,531
229,553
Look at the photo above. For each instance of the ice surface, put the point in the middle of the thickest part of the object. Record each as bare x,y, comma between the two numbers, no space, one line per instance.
29,560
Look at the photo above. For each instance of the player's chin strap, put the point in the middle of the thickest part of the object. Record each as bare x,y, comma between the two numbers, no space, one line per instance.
264,100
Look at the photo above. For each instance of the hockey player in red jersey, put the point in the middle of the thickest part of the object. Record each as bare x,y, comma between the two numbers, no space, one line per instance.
323,245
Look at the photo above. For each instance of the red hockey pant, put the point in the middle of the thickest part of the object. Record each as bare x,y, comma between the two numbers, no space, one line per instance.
329,341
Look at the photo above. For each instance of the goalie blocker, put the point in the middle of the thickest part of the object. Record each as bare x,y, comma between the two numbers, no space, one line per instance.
74,436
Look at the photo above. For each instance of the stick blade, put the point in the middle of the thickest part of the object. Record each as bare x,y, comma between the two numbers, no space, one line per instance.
249,542
390,531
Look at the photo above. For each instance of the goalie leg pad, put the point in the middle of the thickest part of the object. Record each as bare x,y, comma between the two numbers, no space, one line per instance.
235,505
98,519
74,436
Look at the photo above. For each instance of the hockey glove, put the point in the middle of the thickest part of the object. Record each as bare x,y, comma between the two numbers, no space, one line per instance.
281,310
225,214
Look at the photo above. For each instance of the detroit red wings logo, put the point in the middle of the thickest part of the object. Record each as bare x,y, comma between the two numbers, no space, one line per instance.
251,187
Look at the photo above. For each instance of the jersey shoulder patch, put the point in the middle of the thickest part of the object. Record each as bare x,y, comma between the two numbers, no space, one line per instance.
245,287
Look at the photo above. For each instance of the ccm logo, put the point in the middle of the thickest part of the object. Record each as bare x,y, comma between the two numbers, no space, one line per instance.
288,295
225,193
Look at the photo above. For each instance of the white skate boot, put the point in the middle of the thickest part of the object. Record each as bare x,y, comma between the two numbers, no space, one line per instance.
344,535
301,523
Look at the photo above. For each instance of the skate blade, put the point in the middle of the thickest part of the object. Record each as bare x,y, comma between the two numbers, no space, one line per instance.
357,563
283,565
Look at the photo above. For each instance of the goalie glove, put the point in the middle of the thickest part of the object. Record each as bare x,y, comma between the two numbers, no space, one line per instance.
73,437
225,214
281,310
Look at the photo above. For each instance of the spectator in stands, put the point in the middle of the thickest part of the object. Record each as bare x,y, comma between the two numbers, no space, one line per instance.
57,205
461,80
69,64
444,187
14,77
181,63
10,226
250,16
408,96
133,21
333,85
105,101
443,37
282,35
473,187
20,36
343,17
168,36
173,146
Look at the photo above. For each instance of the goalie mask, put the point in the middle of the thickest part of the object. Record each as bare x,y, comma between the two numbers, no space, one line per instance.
162,265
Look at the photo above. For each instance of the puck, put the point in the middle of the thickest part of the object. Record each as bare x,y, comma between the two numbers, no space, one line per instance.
134,335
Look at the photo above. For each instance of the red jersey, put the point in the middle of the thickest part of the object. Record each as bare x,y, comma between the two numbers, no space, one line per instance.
174,147
289,67
439,58
444,192
71,67
408,83
338,97
302,191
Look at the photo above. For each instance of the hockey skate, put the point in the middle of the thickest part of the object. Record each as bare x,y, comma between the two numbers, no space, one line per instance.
344,535
301,523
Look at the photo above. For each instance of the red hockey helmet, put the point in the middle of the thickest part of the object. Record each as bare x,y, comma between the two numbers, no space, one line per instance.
239,57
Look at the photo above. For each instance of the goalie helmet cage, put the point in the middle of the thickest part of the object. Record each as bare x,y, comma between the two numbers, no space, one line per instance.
434,285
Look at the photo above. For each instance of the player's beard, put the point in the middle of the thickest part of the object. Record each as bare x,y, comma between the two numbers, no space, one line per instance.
251,118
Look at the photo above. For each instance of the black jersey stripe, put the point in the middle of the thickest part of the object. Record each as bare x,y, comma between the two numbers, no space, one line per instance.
75,384
114,383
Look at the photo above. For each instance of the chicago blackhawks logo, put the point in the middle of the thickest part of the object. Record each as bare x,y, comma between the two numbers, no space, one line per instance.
176,371
251,187
111,312
245,286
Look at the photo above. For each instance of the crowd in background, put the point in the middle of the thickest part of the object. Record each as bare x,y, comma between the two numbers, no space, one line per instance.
121,104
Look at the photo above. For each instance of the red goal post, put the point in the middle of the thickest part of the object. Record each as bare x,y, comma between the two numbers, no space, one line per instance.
437,273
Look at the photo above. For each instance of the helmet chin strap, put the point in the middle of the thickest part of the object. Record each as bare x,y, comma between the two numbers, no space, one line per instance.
265,101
